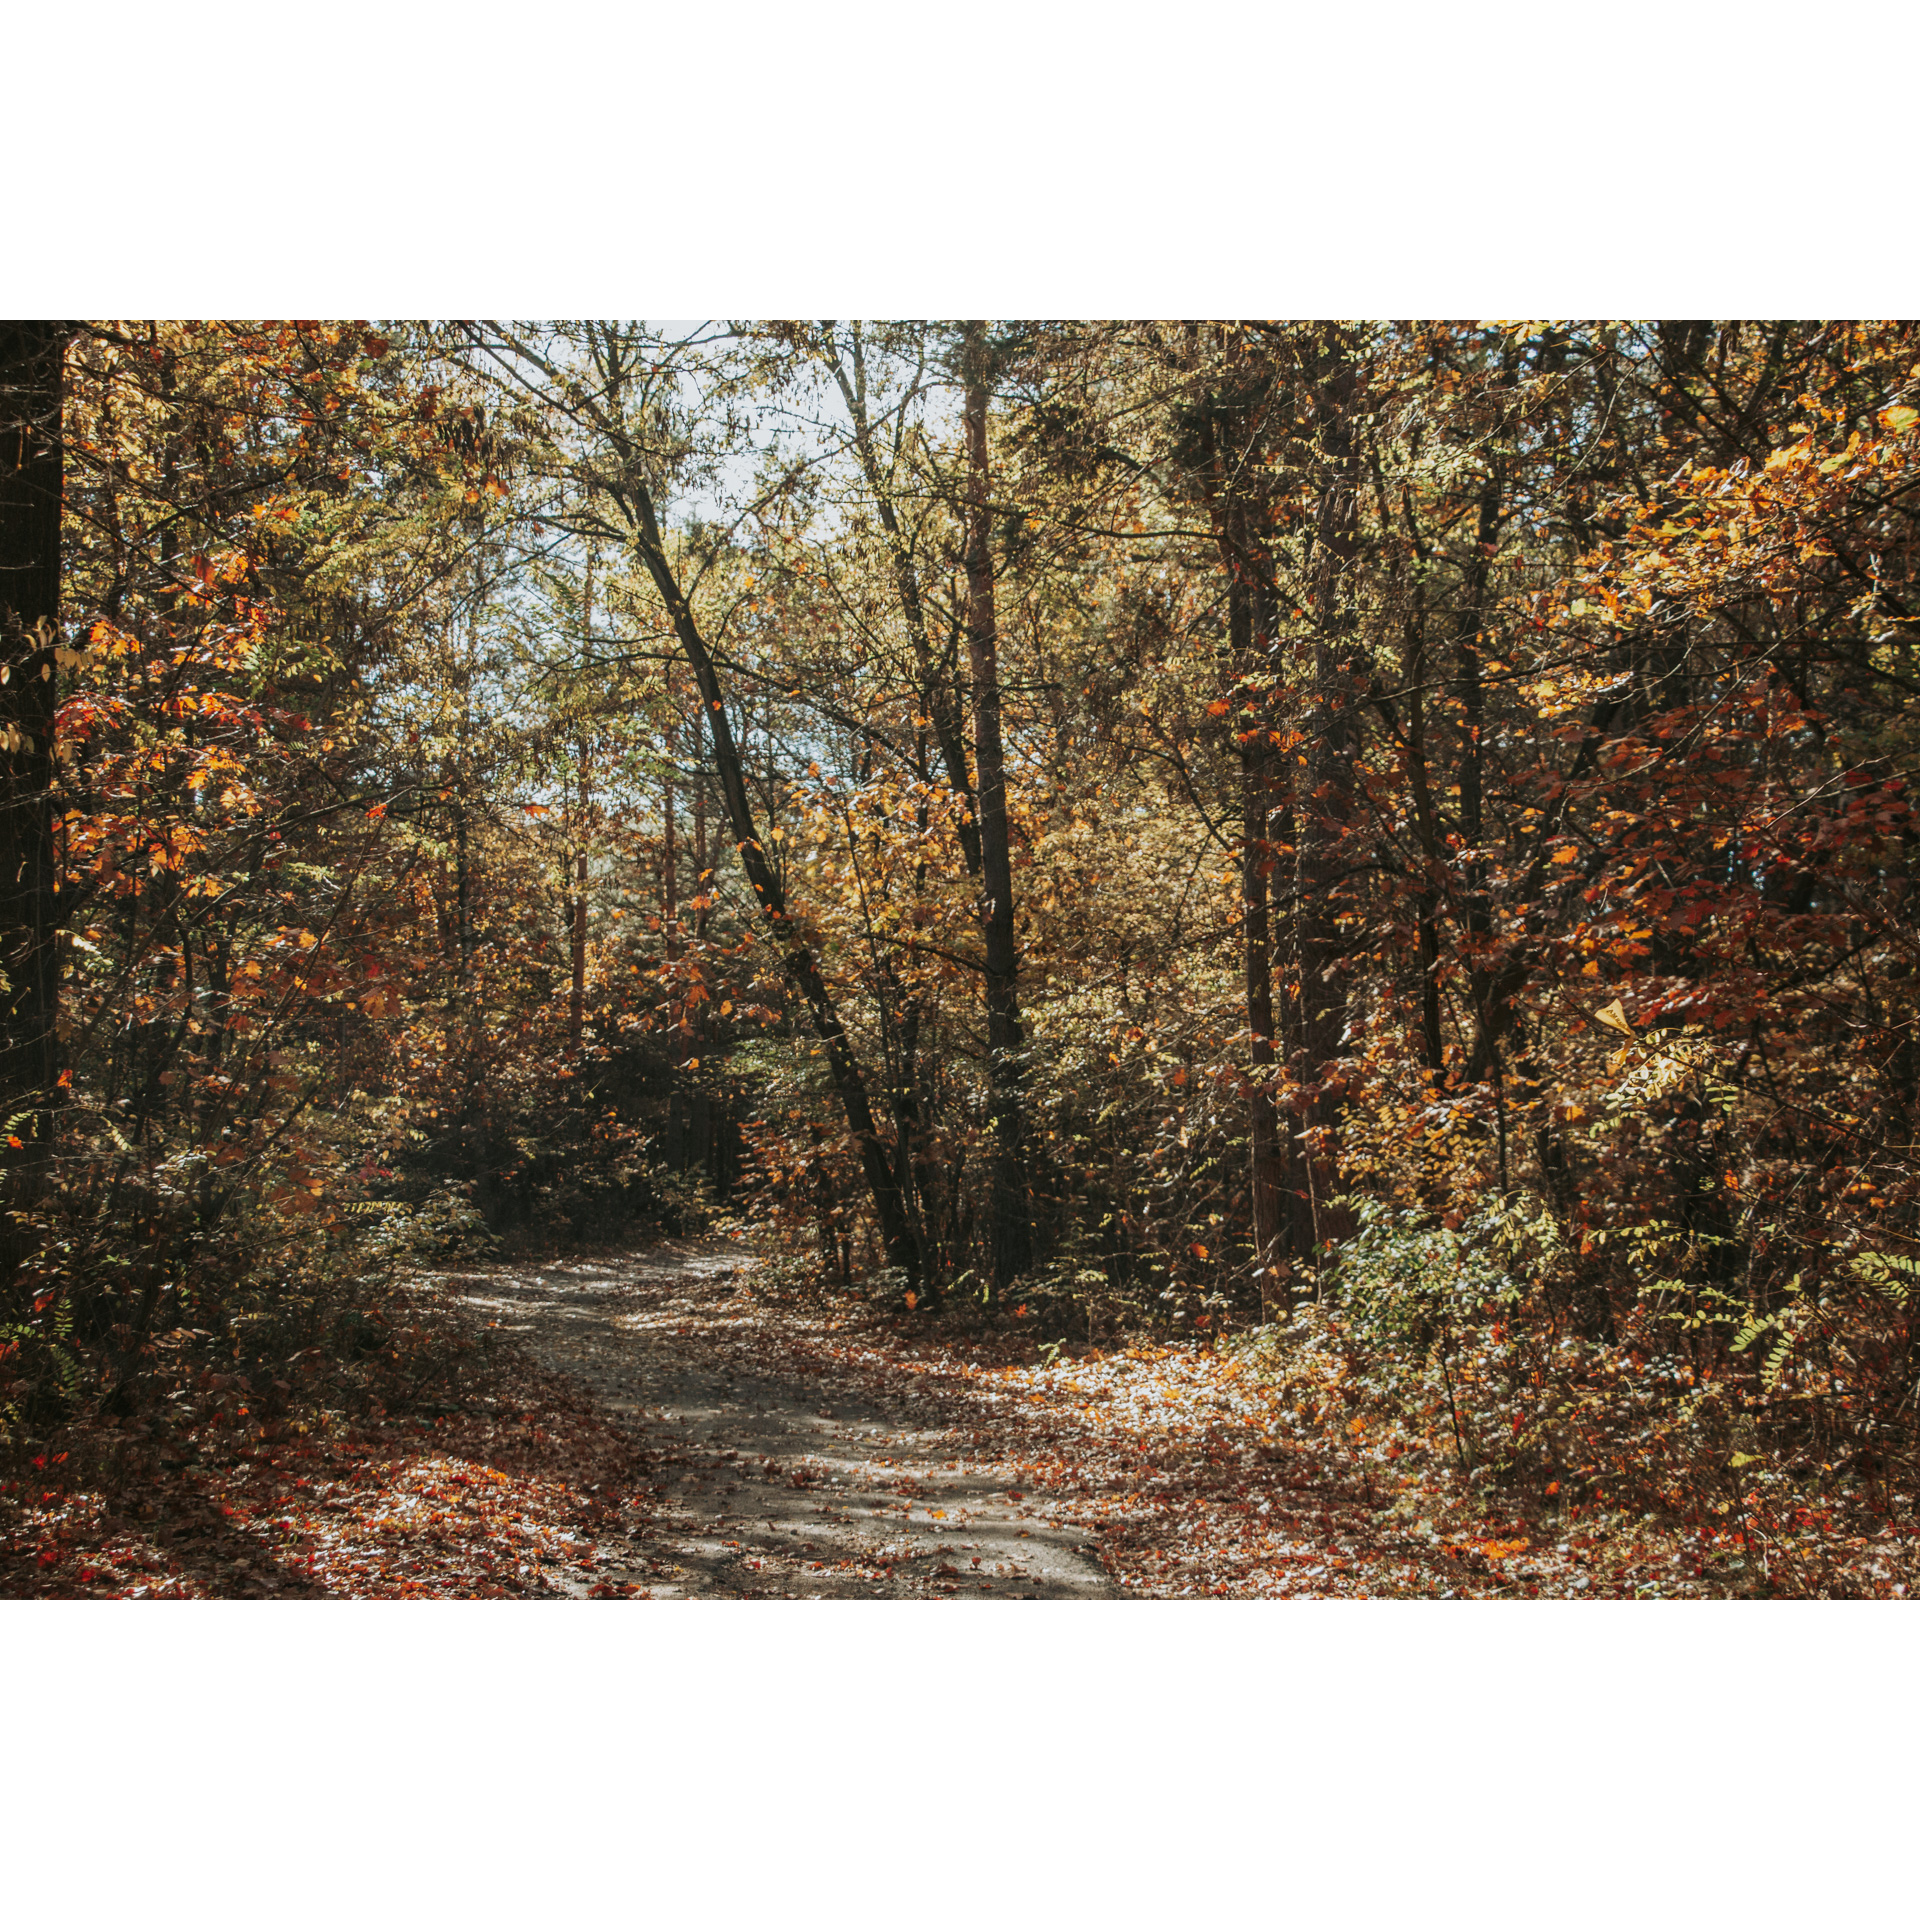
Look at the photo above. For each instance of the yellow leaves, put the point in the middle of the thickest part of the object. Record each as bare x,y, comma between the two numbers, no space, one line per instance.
1898,419
1615,1017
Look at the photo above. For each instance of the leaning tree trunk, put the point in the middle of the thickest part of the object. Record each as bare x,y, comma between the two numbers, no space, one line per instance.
896,1232
31,455
1011,1225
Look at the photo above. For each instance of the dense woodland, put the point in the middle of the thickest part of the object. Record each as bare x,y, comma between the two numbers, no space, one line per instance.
1381,853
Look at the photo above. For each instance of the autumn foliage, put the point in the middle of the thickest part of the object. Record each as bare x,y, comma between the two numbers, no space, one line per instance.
1380,856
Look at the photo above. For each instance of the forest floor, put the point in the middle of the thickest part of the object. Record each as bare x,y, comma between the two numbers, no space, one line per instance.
672,1423
772,1459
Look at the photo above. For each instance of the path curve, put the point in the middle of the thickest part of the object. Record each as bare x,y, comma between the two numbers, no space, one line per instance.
776,1472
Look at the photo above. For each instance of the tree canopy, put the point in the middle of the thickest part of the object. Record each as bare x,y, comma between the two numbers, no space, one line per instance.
1383,850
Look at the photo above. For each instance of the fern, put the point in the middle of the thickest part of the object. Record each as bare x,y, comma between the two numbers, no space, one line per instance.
1886,1273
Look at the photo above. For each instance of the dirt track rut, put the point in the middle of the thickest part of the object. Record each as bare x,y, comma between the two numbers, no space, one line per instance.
781,1468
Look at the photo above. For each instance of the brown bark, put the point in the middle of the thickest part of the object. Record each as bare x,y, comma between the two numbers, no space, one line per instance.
31,471
1326,807
577,914
1413,671
703,890
1011,1226
1250,637
942,704
1486,974
1231,427
902,1250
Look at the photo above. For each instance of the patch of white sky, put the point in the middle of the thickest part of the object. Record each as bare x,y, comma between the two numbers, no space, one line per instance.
807,423
802,421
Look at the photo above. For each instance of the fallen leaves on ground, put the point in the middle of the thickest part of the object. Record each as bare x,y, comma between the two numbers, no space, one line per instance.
515,1495
1181,1461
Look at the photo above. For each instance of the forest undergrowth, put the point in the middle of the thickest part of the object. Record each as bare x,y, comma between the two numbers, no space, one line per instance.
1352,885
1292,1461
435,1461
408,1457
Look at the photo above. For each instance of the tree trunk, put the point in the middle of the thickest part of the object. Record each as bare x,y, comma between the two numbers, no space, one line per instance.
703,880
1484,969
936,688
1231,422
577,913
670,856
902,1251
1326,806
31,472
679,1045
1011,1227
1250,638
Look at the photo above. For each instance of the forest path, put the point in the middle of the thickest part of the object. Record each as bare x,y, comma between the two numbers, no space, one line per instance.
786,1460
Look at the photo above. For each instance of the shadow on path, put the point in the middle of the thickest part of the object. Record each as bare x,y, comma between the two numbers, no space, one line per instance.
778,1474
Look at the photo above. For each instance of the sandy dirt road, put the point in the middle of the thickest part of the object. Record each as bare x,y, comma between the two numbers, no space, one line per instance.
783,1466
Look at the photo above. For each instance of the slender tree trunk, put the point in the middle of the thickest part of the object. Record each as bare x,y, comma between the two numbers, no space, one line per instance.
32,454
1230,426
1484,970
577,915
1413,673
679,1049
670,855
577,995
1250,637
1327,804
942,704
462,906
1011,1232
703,880
902,1251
